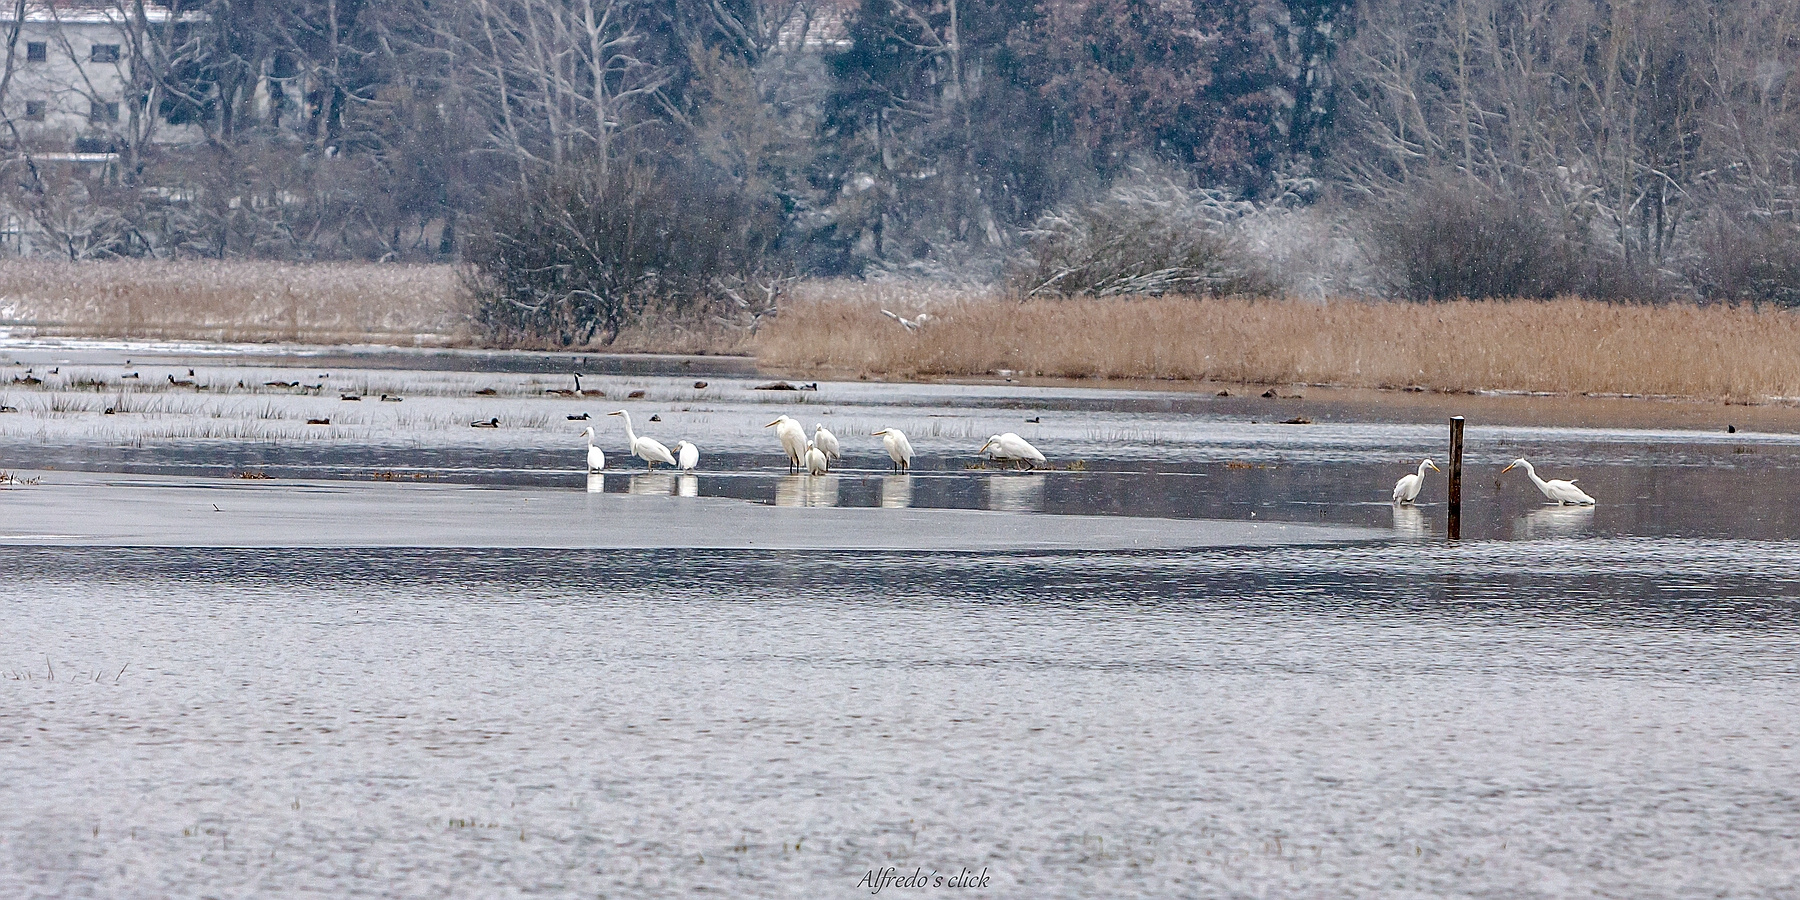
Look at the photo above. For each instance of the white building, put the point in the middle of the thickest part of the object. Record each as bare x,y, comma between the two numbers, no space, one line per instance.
72,93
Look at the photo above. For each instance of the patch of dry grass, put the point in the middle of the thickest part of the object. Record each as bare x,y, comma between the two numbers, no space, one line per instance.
236,301
1568,345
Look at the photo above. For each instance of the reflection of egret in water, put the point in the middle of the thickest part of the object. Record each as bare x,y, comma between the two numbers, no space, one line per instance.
687,486
807,490
1553,522
896,491
652,483
1409,521
596,483
1015,493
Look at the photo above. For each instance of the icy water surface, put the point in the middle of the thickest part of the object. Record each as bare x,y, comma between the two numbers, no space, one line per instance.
1570,702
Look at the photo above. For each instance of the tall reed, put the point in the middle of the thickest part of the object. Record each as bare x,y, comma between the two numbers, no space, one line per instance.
1564,345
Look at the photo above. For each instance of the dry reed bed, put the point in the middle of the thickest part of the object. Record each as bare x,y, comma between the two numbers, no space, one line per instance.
1569,346
236,301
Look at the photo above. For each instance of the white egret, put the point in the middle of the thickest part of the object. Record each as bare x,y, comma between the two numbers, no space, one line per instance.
792,438
1011,446
816,463
687,454
596,457
1564,492
646,449
899,449
827,442
1406,490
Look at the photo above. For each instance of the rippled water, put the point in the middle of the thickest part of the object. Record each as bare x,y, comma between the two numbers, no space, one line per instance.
1596,702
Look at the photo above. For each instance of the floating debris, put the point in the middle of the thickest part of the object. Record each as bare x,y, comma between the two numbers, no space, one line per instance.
634,395
699,385
318,421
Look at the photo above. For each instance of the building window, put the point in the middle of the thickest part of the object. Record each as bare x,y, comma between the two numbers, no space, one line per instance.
102,112
36,51
105,53
34,110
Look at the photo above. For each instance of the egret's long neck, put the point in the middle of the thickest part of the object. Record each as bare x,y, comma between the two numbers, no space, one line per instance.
630,436
1532,474
1421,471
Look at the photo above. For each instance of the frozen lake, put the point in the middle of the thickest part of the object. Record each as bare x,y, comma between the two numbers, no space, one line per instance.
1204,656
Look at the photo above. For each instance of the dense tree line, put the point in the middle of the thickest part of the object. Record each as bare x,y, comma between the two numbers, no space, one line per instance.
1642,150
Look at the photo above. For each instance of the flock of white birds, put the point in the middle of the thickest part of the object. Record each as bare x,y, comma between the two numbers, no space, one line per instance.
814,455
817,454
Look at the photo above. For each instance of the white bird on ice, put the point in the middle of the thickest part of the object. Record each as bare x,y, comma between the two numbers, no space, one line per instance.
816,464
646,449
899,449
687,454
827,442
596,457
1564,492
1406,490
792,438
1011,446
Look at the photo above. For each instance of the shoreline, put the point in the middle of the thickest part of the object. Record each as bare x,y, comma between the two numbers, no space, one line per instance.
1318,401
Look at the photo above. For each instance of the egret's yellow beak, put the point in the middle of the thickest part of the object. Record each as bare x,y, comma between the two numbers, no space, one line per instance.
1509,468
1434,468
878,433
773,424
984,446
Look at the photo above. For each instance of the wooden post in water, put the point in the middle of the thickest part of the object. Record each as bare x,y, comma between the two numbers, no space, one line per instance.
1456,430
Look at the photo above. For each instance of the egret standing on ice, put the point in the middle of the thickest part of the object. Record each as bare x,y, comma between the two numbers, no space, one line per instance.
596,457
827,442
1406,490
687,454
816,464
650,451
1564,492
899,449
1011,446
792,438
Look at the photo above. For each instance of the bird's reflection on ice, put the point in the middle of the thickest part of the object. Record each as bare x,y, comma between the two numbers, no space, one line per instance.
651,483
596,483
896,491
1409,521
1553,522
687,485
807,490
1015,493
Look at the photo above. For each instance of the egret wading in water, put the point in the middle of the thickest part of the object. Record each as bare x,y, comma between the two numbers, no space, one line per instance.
827,443
899,449
1564,492
793,440
1406,490
1011,446
646,449
596,457
816,463
687,455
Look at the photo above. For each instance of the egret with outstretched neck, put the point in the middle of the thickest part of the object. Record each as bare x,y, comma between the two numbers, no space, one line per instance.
646,449
793,440
899,449
1564,492
596,457
1406,490
1011,446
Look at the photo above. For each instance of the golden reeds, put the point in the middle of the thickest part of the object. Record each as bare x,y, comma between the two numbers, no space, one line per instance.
1565,346
235,301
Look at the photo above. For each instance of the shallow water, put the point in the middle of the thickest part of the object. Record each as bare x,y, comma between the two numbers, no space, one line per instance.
1573,701
1412,720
